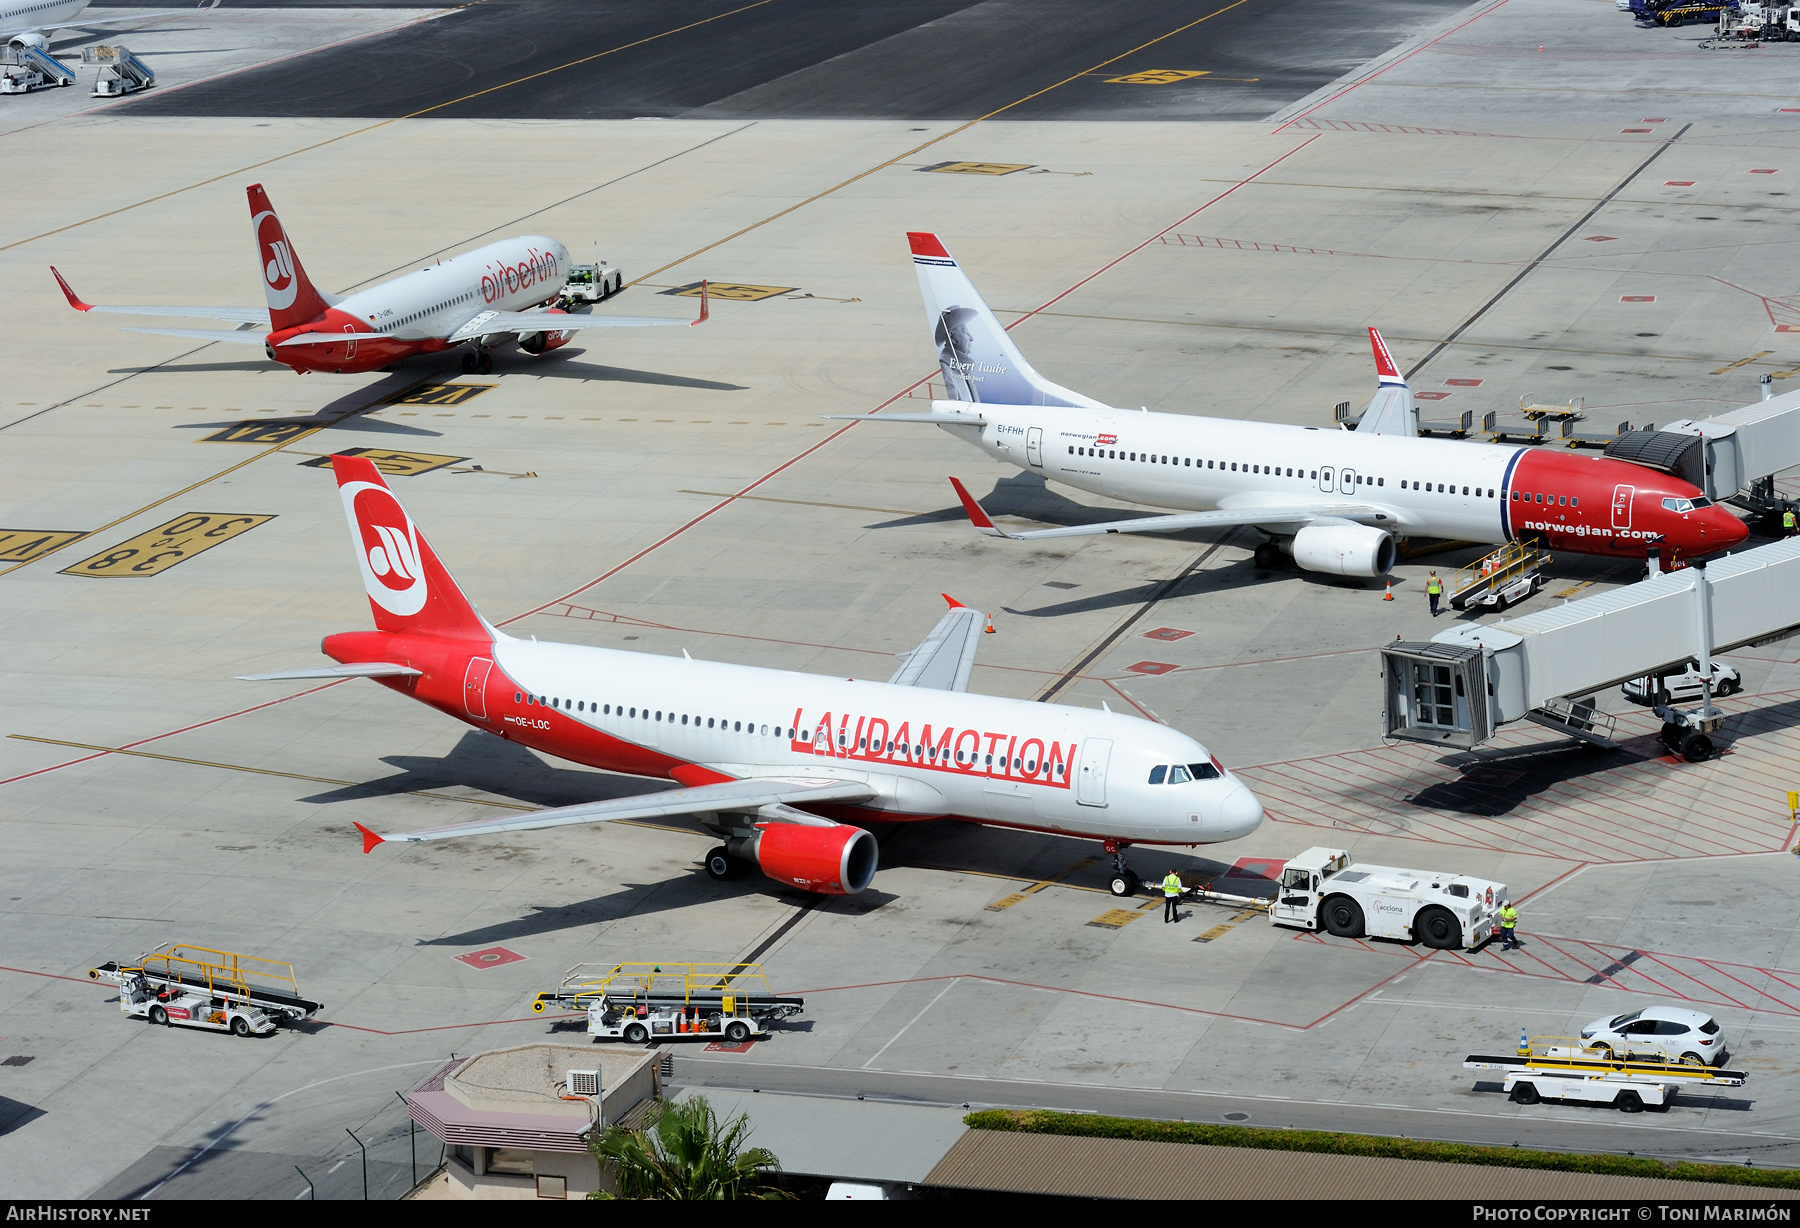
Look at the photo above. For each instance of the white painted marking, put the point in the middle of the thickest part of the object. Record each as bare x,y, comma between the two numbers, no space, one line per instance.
902,1032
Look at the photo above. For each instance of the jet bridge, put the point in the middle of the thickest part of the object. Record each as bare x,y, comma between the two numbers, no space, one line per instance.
1732,457
1465,683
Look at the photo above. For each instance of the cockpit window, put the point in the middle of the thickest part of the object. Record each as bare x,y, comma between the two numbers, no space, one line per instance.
1685,505
1178,775
1203,771
1159,773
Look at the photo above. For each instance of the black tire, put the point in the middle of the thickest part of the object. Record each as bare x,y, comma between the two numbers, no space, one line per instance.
636,1033
1629,1102
1123,885
1437,928
484,365
1727,688
1692,1059
1267,558
1604,1050
737,1031
1343,917
1524,1093
159,1016
240,1026
468,362
1696,748
1500,604
720,865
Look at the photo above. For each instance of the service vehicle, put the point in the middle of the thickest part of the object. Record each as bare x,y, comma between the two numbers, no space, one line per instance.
1567,1068
1668,13
1322,889
1683,686
1507,576
1674,1033
589,283
641,1002
198,987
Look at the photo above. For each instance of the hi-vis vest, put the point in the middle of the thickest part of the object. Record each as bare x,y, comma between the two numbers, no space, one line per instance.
1171,885
1787,520
1509,917
1434,586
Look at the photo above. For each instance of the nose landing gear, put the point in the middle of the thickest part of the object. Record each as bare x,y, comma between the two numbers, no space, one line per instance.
1125,881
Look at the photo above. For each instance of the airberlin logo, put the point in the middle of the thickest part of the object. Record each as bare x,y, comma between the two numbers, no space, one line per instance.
278,260
388,548
506,279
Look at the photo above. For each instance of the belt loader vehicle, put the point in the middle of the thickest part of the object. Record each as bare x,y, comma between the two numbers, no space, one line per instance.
1564,1069
641,1002
197,987
1322,890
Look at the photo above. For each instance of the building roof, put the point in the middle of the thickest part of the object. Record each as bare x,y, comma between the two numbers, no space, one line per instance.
1139,1168
875,1141
515,1097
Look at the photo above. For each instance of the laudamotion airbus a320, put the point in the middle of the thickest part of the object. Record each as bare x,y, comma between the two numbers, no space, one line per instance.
778,764
481,300
1334,500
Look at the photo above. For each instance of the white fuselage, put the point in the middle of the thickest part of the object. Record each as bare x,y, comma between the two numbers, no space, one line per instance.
927,753
1192,463
512,275
28,16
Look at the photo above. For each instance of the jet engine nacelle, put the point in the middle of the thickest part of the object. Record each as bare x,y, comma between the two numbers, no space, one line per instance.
1344,550
37,41
538,343
836,860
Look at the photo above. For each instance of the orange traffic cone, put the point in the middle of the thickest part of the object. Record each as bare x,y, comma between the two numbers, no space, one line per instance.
990,626
1389,595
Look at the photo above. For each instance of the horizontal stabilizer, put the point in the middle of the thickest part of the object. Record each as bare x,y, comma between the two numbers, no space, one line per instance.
232,335
953,418
362,669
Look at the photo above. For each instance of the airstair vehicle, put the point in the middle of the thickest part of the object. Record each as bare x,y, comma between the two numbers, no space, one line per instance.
1565,1068
198,987
639,1002
23,69
119,71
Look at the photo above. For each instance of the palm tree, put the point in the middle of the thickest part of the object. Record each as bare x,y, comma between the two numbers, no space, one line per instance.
684,1152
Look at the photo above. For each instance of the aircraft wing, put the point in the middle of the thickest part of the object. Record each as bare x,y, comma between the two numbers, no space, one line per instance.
738,795
237,336
123,19
240,315
1294,514
544,322
942,661
365,669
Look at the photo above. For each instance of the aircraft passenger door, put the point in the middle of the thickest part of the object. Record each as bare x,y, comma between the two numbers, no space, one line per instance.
1347,481
1034,446
1325,479
475,687
1090,779
1622,506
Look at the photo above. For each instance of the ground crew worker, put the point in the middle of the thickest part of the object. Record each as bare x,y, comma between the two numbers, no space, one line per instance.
1509,922
1434,588
1171,897
1788,521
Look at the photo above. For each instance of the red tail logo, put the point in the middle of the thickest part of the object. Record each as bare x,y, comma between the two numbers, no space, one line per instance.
407,585
292,299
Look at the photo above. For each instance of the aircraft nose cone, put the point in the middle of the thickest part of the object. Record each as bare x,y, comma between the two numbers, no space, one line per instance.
1240,813
1726,530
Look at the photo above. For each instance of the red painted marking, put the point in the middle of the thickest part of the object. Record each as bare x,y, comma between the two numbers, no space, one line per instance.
1678,183
1429,396
1462,383
1262,868
1637,298
1787,110
489,957
1764,171
1653,121
1601,239
1167,633
1787,328
729,1046
1152,667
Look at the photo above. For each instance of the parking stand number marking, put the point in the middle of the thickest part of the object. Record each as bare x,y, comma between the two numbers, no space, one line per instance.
261,432
23,545
440,394
152,553
393,464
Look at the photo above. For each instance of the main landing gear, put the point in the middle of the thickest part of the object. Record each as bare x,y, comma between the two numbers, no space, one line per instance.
1124,879
477,362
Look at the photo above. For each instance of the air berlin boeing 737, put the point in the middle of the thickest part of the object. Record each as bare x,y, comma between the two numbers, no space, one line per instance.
778,764
1333,500
483,299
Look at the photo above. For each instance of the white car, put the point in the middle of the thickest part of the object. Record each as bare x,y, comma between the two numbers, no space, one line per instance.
1685,686
1673,1033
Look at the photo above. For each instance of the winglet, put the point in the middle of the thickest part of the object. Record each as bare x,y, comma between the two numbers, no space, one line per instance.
977,517
1384,361
954,603
69,294
926,244
370,839
705,308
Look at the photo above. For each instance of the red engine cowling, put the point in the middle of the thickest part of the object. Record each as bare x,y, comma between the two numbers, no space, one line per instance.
829,860
538,343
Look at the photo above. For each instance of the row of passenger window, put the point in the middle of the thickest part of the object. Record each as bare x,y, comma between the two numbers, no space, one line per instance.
1559,500
926,753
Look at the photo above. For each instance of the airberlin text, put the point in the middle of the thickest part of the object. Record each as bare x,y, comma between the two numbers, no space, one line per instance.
1664,1213
497,282
969,752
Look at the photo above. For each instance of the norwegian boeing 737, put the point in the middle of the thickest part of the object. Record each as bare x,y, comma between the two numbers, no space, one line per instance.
1333,500
481,300
779,765
28,23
